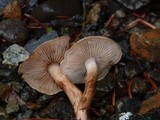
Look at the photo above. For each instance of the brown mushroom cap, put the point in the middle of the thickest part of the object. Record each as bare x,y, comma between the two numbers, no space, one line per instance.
105,51
34,69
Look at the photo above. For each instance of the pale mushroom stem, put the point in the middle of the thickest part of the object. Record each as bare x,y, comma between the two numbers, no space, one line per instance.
90,80
73,93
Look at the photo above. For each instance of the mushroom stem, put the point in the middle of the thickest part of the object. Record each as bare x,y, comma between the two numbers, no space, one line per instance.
90,80
73,93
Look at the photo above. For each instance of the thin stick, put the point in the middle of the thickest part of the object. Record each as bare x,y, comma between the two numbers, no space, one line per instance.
114,97
109,20
35,20
129,89
139,20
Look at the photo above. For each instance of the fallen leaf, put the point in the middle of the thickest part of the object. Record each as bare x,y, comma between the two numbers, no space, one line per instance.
93,14
12,10
150,103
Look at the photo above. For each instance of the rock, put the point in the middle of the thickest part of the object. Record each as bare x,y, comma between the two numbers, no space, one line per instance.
157,23
121,87
5,90
134,4
28,94
131,69
105,85
14,97
49,9
73,22
139,86
32,44
5,73
17,86
1,58
25,115
58,108
93,14
146,44
125,116
8,74
155,74
150,93
44,99
125,104
100,103
31,3
120,13
124,47
13,30
153,114
12,107
14,54
3,114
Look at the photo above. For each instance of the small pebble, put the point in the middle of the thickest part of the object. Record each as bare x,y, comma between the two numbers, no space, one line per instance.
14,54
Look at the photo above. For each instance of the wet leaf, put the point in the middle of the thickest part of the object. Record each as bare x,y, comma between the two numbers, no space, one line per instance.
12,10
146,44
93,14
150,103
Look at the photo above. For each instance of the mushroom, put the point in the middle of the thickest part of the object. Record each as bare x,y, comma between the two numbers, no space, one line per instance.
42,71
89,60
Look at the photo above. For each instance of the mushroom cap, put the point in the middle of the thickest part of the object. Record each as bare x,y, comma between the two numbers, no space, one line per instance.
34,70
105,51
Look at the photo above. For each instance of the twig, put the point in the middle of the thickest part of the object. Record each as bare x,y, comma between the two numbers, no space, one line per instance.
135,22
129,89
109,20
35,20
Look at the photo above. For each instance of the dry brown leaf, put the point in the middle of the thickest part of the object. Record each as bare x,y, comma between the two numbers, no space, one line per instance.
146,44
93,14
150,103
12,10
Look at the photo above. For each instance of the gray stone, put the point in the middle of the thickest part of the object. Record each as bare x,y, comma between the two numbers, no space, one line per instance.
13,30
14,54
3,114
12,107
25,115
33,43
134,4
17,86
